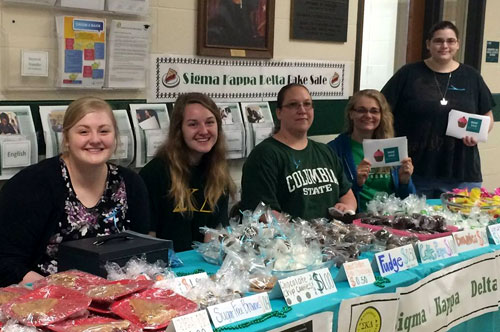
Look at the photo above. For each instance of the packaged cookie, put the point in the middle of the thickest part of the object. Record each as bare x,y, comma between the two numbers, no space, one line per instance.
154,308
47,305
74,279
114,290
95,324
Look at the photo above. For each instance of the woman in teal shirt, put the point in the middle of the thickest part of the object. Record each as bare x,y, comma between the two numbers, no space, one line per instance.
368,116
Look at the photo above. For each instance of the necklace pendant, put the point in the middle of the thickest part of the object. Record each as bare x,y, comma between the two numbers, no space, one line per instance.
444,102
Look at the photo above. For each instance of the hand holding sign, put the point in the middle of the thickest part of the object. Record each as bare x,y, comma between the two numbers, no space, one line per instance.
385,152
462,125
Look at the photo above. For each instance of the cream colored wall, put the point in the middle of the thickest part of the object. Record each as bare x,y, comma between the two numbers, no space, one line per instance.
491,74
174,31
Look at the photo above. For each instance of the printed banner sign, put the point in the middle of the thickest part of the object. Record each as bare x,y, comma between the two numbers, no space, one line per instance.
226,79
368,313
449,296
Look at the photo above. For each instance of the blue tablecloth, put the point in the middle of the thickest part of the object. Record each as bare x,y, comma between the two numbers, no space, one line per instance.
486,323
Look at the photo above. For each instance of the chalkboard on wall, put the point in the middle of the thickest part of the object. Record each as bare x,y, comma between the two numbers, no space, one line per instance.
320,20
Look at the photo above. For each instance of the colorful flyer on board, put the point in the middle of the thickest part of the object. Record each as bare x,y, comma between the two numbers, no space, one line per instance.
385,152
82,52
461,124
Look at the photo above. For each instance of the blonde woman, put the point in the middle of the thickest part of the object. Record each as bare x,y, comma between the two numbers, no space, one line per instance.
75,195
368,116
188,180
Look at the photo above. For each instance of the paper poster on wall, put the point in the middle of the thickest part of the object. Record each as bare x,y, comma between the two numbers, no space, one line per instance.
150,123
258,121
82,52
124,153
135,7
234,130
52,123
128,54
18,142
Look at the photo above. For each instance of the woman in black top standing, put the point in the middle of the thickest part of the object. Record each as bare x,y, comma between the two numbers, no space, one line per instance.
421,96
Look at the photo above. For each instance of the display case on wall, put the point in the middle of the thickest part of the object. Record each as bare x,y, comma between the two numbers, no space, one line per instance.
18,145
234,129
150,122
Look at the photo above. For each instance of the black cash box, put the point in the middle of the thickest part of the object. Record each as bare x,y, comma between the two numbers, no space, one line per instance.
91,254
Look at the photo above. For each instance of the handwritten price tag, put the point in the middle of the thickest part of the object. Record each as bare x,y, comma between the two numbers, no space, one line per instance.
194,322
184,284
240,309
495,233
307,286
471,239
359,273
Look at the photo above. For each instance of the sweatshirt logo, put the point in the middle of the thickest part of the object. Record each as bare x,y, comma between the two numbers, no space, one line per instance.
310,178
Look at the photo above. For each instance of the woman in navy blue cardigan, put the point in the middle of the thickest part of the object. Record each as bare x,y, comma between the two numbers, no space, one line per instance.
368,116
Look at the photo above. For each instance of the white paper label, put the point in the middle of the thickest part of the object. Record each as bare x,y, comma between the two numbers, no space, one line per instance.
35,63
237,310
122,148
194,322
495,233
307,286
16,153
154,138
471,239
357,273
186,283
385,152
396,260
436,249
461,124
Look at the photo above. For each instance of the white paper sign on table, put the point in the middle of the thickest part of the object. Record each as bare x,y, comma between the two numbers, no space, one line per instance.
461,124
471,239
307,286
194,322
436,249
396,260
240,309
495,233
357,273
186,283
385,152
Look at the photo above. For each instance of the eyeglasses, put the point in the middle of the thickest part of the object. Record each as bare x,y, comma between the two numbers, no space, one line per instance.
296,105
363,111
441,41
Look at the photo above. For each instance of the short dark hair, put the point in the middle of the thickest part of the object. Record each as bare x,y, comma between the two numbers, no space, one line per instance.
283,90
4,116
441,26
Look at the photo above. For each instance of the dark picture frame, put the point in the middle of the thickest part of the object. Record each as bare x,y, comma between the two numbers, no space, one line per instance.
236,28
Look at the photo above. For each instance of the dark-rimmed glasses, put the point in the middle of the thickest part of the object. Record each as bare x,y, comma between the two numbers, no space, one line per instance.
296,105
441,41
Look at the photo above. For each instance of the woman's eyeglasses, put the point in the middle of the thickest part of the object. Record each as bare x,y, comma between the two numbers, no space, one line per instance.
363,111
441,41
296,105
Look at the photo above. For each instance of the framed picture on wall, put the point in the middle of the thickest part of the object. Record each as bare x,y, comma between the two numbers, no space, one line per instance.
236,28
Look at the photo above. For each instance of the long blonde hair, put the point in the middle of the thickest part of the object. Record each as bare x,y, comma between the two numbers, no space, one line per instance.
78,109
386,127
173,151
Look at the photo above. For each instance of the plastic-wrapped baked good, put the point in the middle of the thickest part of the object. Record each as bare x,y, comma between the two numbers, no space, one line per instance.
47,305
154,308
95,324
